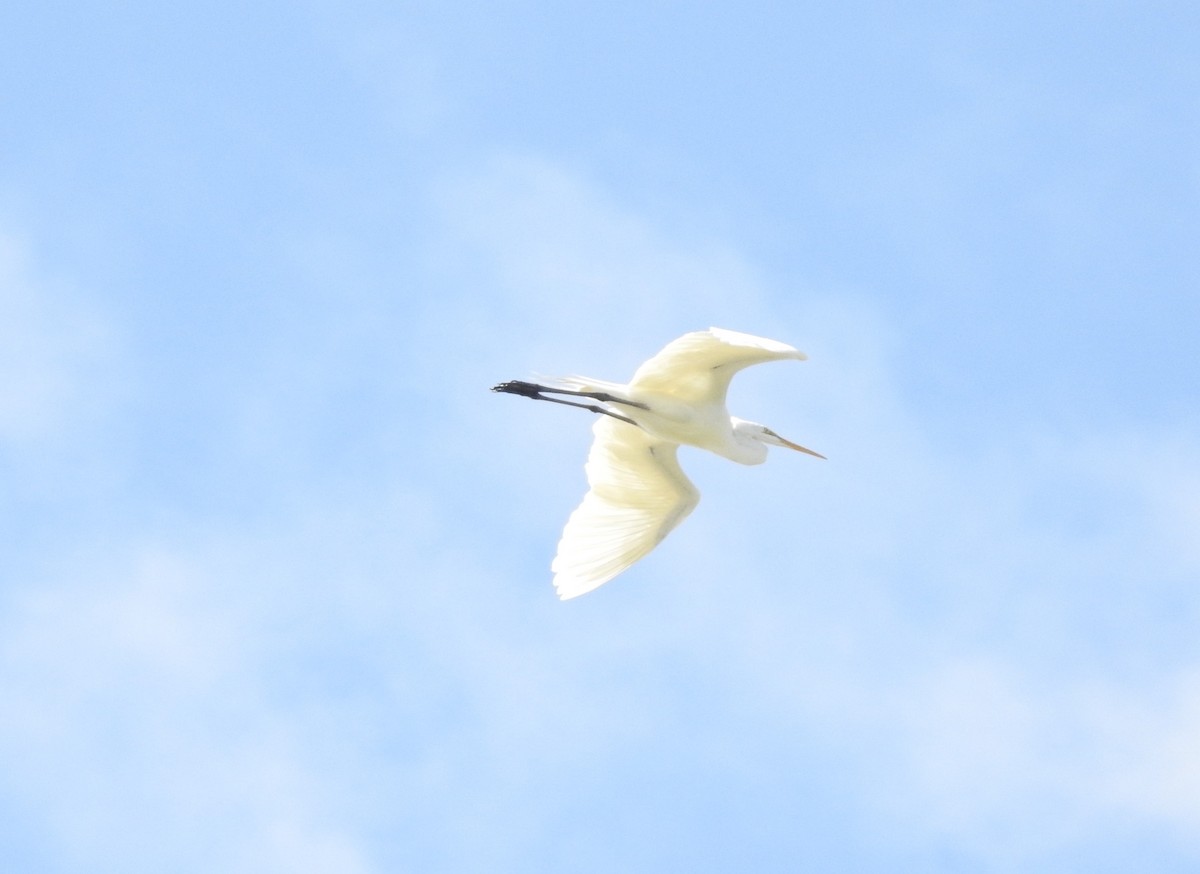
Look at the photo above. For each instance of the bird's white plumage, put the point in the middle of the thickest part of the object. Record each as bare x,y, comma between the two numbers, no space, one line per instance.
638,494
697,368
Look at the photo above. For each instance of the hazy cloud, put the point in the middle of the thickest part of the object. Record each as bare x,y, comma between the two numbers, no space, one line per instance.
54,351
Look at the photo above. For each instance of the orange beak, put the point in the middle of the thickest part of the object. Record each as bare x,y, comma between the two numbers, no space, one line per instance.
790,445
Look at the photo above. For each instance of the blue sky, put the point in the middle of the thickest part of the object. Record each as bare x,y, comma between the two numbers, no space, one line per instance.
275,594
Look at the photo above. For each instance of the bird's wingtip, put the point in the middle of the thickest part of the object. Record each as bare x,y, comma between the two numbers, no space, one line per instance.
567,588
566,592
739,338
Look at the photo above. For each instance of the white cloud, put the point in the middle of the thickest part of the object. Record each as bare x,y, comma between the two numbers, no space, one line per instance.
138,726
54,352
566,267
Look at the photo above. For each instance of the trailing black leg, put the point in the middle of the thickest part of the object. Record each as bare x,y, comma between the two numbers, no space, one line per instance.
534,391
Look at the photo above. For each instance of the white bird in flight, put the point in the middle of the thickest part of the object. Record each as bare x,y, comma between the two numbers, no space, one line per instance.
638,491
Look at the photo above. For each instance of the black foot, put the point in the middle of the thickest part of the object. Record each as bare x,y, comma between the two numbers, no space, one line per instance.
525,389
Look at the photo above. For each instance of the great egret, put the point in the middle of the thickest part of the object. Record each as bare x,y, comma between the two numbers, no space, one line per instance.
638,491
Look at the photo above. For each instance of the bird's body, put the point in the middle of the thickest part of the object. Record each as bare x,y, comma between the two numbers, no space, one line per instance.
638,492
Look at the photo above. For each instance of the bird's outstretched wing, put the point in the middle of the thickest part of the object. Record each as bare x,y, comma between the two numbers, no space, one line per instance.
697,367
638,494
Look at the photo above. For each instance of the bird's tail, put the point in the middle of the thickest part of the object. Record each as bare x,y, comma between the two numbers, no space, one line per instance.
583,383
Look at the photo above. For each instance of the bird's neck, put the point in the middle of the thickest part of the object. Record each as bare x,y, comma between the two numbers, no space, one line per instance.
743,446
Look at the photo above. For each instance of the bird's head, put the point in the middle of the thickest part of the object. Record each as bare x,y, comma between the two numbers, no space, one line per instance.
752,434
